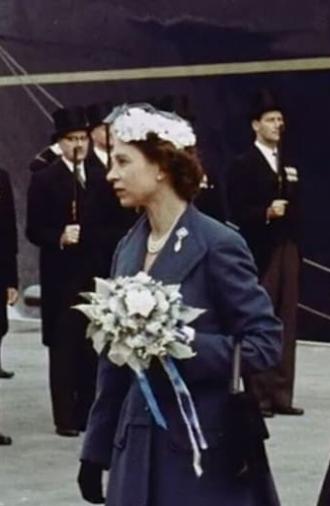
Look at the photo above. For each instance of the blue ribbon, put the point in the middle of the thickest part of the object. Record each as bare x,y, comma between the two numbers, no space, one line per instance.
181,388
188,412
186,406
151,400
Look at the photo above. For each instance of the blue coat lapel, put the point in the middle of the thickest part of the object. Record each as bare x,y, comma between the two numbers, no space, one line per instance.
133,250
170,266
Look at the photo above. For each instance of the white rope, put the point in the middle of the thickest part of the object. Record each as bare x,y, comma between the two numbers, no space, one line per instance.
28,91
317,265
15,63
309,309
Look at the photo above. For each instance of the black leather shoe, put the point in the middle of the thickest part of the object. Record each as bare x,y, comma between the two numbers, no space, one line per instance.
6,374
267,413
5,440
288,410
67,432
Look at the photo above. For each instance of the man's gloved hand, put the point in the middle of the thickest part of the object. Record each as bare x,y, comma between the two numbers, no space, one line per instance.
90,482
70,235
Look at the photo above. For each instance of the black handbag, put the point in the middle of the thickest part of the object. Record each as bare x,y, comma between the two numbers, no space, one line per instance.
244,427
246,432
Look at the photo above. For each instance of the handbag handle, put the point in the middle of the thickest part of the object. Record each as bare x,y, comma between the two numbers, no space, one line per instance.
236,370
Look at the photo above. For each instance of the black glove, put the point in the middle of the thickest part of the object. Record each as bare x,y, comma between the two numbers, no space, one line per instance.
90,482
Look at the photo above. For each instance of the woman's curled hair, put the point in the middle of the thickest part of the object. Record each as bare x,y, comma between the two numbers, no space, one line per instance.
182,166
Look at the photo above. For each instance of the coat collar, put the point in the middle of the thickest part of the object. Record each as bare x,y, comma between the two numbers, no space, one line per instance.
65,177
170,266
60,172
265,163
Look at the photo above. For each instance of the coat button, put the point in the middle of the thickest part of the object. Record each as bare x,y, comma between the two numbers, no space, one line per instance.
146,408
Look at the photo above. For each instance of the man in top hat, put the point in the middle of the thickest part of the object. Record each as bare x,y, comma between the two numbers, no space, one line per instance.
8,265
120,220
99,133
66,219
262,196
8,258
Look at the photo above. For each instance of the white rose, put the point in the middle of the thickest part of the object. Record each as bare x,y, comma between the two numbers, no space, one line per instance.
115,305
140,302
154,327
137,341
162,303
143,277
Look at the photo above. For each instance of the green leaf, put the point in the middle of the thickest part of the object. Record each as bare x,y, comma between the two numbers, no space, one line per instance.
87,295
86,309
180,351
102,287
190,314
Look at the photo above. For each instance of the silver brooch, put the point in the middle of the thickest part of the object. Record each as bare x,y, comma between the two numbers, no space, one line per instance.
181,234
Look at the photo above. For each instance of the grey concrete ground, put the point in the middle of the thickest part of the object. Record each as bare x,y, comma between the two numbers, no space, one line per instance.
40,468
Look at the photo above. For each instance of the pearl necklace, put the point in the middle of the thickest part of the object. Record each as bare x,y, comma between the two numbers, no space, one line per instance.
155,245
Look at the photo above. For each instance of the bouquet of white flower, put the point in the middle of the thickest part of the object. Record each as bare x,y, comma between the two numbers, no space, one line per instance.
139,318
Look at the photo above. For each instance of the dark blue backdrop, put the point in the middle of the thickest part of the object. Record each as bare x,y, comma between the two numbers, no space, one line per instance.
74,35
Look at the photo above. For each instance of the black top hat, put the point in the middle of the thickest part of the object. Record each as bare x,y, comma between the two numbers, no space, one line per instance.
264,101
69,120
96,113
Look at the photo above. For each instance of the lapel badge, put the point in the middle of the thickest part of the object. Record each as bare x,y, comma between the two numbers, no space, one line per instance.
181,234
291,174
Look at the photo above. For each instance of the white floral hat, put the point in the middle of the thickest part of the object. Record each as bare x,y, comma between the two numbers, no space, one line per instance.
134,123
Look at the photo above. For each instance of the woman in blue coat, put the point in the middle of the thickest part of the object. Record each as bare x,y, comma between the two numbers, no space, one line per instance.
155,167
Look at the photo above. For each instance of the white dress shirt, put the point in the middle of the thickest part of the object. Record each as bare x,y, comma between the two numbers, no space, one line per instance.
81,173
102,155
269,153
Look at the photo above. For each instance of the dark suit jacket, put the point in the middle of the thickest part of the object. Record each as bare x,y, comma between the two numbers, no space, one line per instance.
216,272
211,200
65,272
251,187
8,249
119,219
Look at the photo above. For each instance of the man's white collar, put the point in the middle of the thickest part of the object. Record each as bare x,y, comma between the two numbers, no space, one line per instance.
80,167
102,155
270,154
